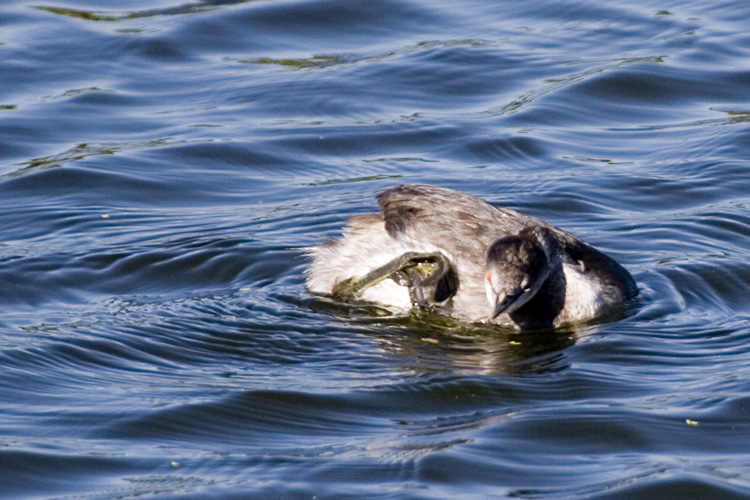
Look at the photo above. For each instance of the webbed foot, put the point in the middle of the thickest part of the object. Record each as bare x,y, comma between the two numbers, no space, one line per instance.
429,277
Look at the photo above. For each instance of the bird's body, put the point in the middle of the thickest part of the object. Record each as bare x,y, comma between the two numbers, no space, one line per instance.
568,280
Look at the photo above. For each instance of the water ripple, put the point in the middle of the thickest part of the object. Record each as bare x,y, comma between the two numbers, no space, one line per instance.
165,164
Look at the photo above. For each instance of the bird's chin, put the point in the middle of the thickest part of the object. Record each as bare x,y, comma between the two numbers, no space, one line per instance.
508,304
499,309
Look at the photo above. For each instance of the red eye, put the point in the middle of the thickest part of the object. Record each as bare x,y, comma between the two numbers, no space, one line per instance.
489,276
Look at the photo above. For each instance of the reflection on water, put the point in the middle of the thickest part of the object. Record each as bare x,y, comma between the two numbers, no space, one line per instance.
481,352
435,343
185,8
82,152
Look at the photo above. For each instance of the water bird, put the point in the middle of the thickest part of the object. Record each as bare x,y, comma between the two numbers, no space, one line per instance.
446,251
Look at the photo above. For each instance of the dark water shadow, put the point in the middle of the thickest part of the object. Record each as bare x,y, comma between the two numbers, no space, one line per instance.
438,343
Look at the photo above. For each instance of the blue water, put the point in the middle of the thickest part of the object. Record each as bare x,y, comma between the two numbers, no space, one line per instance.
163,164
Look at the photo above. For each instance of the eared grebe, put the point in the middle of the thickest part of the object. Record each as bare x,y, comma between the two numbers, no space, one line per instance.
444,250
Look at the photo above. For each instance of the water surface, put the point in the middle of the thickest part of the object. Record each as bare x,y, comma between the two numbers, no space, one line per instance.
163,165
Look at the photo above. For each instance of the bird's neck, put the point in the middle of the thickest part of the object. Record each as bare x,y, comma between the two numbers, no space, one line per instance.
542,309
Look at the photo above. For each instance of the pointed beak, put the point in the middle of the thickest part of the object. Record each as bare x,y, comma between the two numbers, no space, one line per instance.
505,302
